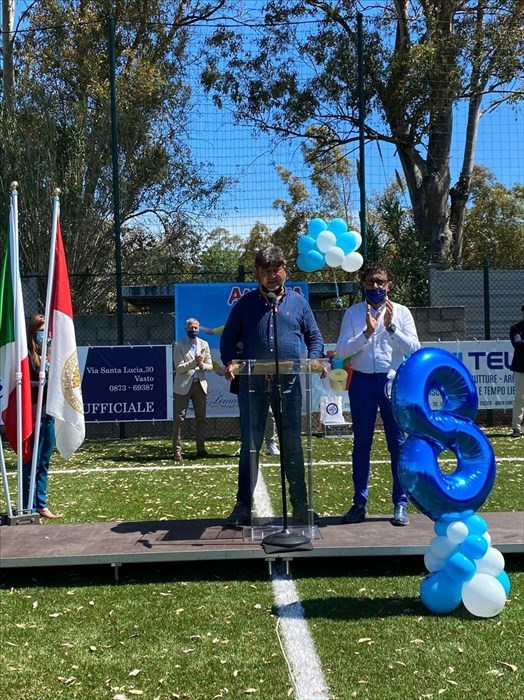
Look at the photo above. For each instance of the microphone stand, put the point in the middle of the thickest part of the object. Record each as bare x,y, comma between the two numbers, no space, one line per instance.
285,538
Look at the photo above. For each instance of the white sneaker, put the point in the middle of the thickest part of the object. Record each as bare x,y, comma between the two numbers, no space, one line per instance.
272,449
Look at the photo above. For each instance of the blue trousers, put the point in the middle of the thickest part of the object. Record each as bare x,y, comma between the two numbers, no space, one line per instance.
366,395
255,395
46,443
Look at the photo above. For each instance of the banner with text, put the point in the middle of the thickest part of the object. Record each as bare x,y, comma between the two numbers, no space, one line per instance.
487,360
127,383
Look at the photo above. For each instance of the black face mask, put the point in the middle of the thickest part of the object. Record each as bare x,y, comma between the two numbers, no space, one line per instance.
275,291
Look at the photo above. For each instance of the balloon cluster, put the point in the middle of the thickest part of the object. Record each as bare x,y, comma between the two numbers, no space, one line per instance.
330,244
464,568
462,564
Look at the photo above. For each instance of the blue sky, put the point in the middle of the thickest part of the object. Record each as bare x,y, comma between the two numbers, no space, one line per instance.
234,151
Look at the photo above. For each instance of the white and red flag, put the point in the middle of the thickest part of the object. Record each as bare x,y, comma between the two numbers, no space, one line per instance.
15,383
64,391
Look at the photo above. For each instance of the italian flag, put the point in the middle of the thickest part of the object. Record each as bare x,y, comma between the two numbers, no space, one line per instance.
15,383
64,391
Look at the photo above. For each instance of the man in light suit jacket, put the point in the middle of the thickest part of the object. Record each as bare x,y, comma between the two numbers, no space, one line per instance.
191,359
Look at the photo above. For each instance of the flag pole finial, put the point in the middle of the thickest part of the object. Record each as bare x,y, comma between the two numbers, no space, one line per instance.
57,192
14,185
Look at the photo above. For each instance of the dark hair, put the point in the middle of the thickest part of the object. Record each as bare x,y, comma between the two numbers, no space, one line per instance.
372,268
35,322
270,256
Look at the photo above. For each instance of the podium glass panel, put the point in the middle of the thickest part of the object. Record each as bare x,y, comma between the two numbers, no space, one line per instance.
280,486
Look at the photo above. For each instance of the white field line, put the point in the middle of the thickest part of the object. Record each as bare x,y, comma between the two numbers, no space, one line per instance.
296,641
175,467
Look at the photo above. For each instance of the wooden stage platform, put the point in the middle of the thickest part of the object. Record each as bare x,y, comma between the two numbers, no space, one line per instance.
117,543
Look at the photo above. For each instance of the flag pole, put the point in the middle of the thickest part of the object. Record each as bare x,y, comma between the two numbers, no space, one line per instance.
13,229
43,354
5,481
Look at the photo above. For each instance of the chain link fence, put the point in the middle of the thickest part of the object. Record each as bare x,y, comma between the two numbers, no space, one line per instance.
464,305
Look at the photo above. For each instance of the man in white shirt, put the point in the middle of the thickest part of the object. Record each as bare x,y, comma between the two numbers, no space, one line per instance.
377,334
191,359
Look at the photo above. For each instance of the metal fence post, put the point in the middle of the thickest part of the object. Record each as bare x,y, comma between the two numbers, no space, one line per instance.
487,321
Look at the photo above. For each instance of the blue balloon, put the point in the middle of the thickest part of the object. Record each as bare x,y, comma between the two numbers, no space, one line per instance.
347,241
474,546
476,524
440,593
460,568
316,226
503,578
432,491
312,261
306,243
337,226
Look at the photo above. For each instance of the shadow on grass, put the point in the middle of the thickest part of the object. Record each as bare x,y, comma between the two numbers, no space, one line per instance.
348,608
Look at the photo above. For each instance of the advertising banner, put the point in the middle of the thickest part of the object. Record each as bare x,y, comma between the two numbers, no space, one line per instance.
487,360
127,383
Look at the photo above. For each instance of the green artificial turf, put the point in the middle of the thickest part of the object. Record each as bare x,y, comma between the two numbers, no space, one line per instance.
205,631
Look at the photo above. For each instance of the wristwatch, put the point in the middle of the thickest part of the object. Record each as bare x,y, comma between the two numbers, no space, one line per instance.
391,329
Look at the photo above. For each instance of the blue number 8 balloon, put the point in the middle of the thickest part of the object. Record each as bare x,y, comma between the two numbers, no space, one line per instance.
430,432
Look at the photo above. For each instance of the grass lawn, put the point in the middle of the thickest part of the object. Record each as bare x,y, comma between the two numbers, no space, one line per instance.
205,631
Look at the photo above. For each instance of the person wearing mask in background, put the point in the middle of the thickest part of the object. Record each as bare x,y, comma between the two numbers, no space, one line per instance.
46,439
377,334
251,323
516,335
191,359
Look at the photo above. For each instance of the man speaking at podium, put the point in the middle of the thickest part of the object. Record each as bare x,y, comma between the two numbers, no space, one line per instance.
251,326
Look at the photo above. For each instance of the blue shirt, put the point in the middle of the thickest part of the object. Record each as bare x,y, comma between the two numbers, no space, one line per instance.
250,323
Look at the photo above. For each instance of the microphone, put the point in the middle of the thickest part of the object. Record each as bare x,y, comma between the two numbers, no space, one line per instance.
272,299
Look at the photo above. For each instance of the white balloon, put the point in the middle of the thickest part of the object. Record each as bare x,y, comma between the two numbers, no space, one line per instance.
326,240
457,532
491,563
358,237
434,563
352,262
334,256
483,595
441,547
487,537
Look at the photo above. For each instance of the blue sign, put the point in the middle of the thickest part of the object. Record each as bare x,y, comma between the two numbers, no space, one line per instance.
127,383
210,304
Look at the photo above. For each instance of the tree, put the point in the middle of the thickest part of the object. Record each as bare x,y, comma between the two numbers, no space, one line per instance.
422,57
60,135
494,226
220,260
394,241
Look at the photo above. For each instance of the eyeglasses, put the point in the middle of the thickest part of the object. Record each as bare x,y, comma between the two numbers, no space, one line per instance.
375,281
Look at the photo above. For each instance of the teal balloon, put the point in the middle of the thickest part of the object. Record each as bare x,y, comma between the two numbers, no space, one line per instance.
476,524
474,546
440,593
460,568
347,241
312,261
503,578
316,226
337,226
306,243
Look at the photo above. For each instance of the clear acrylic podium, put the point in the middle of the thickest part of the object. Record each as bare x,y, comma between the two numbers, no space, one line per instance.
291,399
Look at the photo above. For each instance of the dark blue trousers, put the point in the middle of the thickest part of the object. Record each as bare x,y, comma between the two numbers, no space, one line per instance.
366,395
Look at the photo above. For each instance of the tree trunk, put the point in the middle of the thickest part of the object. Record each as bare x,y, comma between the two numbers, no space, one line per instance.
8,79
460,192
